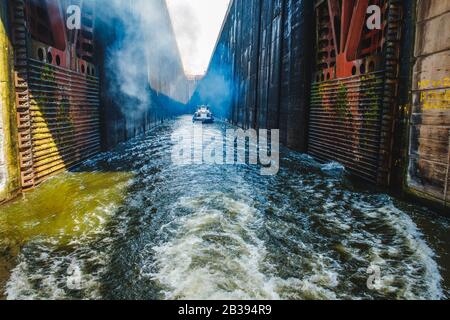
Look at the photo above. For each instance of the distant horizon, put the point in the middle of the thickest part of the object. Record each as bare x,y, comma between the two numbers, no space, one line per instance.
197,25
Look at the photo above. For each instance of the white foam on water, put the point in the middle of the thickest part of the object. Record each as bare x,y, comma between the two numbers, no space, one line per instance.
209,258
50,274
53,277
333,168
216,251
216,254
418,271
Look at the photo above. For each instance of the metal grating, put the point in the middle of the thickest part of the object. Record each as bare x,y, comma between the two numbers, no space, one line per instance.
353,95
65,121
57,108
345,122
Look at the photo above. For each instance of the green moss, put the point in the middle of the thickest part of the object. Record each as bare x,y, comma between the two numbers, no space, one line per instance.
65,208
342,106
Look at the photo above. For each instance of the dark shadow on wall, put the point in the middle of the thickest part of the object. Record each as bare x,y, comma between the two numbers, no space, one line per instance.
118,125
141,73
259,75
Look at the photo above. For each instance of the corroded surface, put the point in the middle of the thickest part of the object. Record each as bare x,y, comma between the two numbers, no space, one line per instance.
429,161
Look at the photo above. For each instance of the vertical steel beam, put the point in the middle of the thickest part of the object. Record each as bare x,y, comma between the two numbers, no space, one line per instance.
356,29
346,17
333,8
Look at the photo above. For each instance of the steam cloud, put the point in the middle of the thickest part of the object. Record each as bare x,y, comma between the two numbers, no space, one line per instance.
144,53
216,88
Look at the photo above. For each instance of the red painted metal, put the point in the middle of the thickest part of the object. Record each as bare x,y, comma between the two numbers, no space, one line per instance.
326,53
346,18
57,90
334,11
354,91
46,22
358,19
346,40
353,19
56,19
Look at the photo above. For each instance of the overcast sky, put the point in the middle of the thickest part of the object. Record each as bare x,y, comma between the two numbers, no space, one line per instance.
197,25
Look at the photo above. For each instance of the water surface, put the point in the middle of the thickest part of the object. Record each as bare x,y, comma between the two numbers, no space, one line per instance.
128,224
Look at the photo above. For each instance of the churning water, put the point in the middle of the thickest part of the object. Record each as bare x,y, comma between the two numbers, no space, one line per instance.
130,225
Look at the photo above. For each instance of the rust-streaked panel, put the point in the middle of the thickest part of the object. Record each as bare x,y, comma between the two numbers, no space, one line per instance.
345,122
64,109
429,153
355,87
57,89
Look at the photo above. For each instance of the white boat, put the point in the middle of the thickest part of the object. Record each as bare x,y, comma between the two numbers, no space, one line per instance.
203,114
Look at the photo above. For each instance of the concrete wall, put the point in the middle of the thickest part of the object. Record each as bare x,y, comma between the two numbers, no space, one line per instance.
259,73
429,154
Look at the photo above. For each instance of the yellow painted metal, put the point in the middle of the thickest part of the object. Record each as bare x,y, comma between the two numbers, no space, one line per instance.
8,124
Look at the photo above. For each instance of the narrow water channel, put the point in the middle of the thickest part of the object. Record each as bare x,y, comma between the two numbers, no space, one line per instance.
128,224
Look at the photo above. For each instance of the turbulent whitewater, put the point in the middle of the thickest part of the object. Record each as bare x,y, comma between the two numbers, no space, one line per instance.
128,224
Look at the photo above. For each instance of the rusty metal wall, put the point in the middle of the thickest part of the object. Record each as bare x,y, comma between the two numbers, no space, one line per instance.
259,73
57,88
65,108
331,92
429,152
354,90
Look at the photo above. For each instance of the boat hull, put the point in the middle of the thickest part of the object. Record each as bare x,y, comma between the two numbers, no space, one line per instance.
203,120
